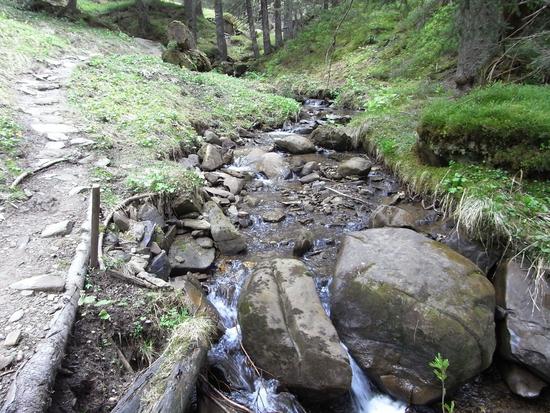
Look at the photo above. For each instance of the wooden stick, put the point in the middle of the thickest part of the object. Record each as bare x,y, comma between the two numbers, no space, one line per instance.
108,220
123,358
348,196
24,175
94,227
224,397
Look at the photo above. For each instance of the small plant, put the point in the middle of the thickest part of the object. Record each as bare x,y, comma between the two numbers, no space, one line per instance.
173,318
440,366
147,351
454,184
104,315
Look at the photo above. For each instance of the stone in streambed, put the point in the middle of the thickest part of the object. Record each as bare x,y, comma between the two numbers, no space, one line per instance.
295,144
227,238
187,255
399,298
212,157
303,243
274,215
332,137
391,216
160,266
312,177
12,339
148,212
520,380
524,333
354,167
287,333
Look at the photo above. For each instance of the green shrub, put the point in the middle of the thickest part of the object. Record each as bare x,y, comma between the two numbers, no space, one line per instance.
504,125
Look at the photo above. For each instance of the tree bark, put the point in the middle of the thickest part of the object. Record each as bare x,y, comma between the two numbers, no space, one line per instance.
198,9
287,18
252,28
191,17
265,27
220,33
278,27
143,17
480,25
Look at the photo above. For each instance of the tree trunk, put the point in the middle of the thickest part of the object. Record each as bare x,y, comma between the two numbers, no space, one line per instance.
191,17
278,28
252,28
265,27
143,17
220,34
325,4
480,24
287,17
198,9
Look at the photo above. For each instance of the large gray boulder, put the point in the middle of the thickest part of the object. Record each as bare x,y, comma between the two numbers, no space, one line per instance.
187,255
212,157
399,298
524,333
295,144
227,238
287,333
355,167
391,216
332,137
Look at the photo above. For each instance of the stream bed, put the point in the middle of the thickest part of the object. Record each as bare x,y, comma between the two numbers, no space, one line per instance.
326,209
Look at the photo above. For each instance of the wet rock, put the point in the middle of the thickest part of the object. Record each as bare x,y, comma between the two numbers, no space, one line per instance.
148,212
160,266
520,380
354,167
483,257
398,298
220,193
212,137
274,166
235,185
185,204
187,255
205,242
309,167
227,238
524,333
198,224
310,178
287,333
295,144
12,339
227,143
59,229
212,157
303,243
390,216
49,283
274,215
332,137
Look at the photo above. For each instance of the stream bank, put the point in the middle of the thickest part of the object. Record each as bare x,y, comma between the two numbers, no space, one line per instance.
281,215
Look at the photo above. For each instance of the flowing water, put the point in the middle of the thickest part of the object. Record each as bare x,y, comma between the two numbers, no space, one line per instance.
327,214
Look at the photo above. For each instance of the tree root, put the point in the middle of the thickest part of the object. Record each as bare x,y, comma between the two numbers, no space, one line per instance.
26,174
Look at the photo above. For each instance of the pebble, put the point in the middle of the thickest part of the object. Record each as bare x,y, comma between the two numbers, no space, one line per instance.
59,228
18,315
12,339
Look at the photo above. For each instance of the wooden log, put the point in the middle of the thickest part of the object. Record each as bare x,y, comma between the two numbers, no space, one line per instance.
32,387
94,229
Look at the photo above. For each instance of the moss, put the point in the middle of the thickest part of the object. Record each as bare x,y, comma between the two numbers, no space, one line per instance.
504,125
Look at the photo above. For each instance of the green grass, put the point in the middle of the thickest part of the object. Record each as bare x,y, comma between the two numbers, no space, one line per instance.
391,64
95,8
503,125
145,112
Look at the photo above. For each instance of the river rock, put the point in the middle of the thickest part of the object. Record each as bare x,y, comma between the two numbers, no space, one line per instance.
520,380
332,137
187,255
483,257
212,157
198,224
272,164
303,243
212,137
180,34
227,238
287,333
274,215
160,266
187,203
148,212
354,167
399,298
312,177
295,144
524,333
121,220
391,216
310,167
12,339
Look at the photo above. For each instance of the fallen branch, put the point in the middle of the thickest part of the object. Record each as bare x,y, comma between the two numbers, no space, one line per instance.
348,196
108,220
32,387
224,397
122,358
26,174
7,372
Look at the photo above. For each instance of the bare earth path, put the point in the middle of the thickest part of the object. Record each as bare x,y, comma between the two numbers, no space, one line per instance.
54,195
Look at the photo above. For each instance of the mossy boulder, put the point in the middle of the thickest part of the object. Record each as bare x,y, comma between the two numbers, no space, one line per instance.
287,333
503,125
192,59
399,298
333,137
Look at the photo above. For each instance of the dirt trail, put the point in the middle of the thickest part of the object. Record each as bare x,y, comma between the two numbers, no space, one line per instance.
56,194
